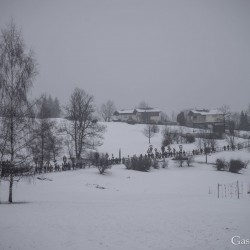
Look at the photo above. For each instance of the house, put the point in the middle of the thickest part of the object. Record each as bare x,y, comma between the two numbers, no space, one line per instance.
211,119
148,115
140,115
125,115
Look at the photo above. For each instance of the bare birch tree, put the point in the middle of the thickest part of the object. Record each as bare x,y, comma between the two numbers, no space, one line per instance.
17,72
107,110
150,130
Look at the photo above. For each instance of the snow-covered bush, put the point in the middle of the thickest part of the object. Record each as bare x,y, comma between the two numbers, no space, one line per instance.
180,160
236,165
189,138
155,164
102,162
190,160
164,163
139,163
221,164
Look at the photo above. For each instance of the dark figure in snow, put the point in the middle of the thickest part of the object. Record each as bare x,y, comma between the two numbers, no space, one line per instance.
162,150
150,151
228,147
156,153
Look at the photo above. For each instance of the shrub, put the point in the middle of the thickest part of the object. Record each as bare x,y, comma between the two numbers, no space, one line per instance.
236,165
155,129
155,164
102,162
180,160
140,163
221,164
164,163
189,138
190,160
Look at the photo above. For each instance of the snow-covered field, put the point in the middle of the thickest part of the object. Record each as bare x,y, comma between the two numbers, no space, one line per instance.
130,139
174,208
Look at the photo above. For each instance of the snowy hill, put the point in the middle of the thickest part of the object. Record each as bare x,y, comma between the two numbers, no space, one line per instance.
130,139
173,208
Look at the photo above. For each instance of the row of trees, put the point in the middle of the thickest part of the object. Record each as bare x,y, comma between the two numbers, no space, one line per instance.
24,140
48,108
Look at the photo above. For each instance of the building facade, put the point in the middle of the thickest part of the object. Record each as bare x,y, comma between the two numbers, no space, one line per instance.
211,119
142,115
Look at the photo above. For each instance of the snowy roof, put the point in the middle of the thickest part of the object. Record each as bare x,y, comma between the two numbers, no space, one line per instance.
141,110
207,112
148,110
125,111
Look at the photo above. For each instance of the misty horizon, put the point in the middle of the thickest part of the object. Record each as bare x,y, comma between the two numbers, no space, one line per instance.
174,55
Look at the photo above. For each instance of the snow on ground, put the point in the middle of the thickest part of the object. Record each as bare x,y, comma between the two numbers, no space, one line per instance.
131,141
174,208
163,209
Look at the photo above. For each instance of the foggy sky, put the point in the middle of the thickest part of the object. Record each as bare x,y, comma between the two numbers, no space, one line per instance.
171,54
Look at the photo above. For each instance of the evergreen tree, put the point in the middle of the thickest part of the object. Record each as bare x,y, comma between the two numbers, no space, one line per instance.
57,109
244,124
48,108
181,119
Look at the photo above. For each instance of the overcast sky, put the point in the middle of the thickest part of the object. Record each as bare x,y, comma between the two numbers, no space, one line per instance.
171,54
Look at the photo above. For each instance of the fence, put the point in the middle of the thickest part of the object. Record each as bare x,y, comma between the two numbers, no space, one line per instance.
231,190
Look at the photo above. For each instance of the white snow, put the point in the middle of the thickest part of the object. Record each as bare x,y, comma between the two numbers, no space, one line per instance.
174,208
208,112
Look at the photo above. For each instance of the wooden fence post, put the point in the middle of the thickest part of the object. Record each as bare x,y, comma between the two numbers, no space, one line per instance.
238,189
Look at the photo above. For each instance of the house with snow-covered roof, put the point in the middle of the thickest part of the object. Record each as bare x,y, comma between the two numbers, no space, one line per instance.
205,118
140,115
125,115
148,115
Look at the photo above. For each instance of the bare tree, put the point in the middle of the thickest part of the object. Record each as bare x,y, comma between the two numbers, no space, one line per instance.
167,136
82,129
173,116
17,72
150,130
230,136
170,136
143,105
46,145
225,109
107,110
164,117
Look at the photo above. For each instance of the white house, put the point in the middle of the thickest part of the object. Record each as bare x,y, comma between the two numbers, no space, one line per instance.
148,115
205,118
125,115
140,115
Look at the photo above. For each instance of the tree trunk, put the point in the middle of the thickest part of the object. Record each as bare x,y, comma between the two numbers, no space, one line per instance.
10,188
